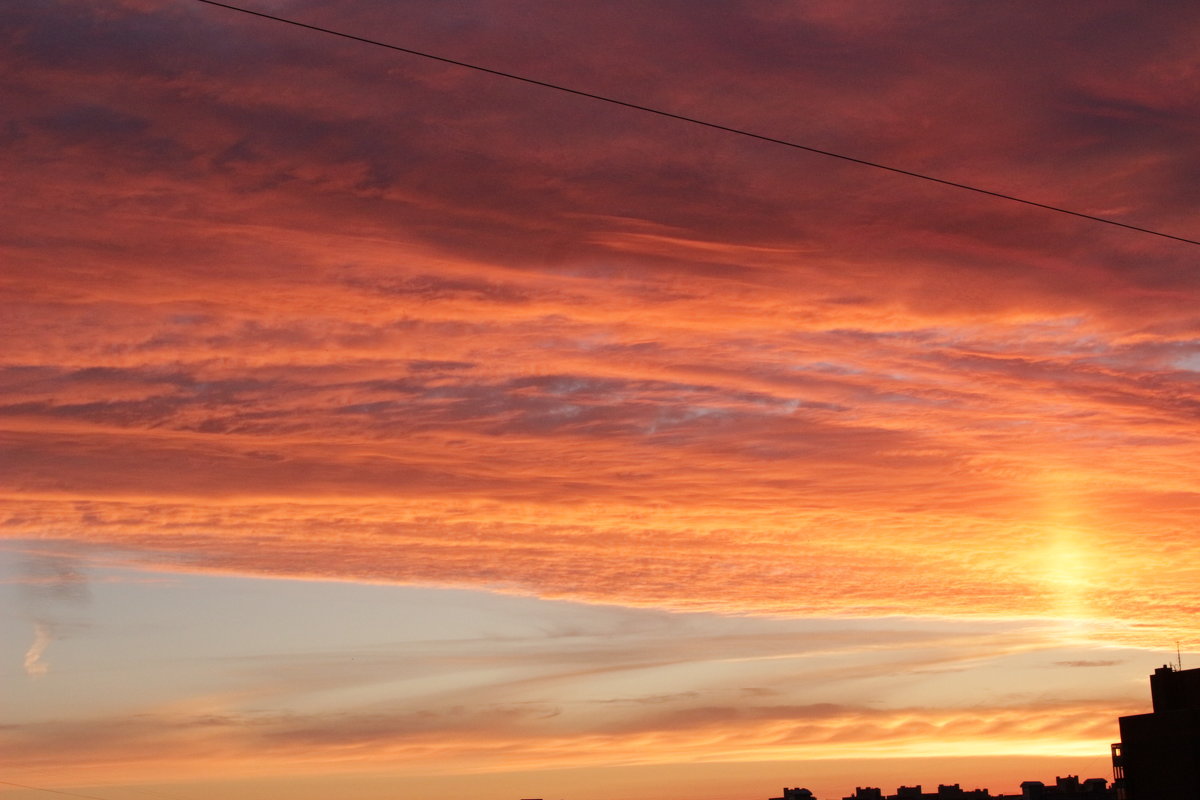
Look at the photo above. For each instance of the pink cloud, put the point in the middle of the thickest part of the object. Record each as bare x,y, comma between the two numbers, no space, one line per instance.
282,303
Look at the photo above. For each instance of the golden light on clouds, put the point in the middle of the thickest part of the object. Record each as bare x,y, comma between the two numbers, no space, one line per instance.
294,745
294,309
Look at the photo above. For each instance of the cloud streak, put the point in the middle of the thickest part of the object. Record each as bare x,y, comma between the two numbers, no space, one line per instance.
50,582
499,739
291,308
35,667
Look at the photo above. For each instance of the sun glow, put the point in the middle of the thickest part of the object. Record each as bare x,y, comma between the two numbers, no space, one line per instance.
725,450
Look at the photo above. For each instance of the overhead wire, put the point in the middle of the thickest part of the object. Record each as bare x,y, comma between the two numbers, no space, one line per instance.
52,791
704,123
86,796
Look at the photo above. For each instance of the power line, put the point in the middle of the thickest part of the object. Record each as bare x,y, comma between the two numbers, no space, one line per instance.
52,791
704,123
88,796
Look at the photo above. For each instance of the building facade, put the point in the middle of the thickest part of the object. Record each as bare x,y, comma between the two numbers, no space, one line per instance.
1158,757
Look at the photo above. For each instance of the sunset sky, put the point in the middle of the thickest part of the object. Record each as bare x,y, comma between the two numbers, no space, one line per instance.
373,428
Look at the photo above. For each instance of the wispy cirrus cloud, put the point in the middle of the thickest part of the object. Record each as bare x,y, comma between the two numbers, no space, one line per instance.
35,667
350,302
492,739
51,586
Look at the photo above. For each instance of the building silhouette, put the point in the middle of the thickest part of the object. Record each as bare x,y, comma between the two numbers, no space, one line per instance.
795,794
1158,757
1068,788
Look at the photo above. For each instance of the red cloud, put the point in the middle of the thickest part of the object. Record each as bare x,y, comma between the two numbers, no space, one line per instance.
282,305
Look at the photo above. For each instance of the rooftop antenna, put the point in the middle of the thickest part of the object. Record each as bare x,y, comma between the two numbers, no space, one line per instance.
1178,657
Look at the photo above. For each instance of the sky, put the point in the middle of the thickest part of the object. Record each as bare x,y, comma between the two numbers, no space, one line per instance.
372,427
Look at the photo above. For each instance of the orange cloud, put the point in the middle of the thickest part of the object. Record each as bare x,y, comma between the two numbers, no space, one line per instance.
473,335
155,746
